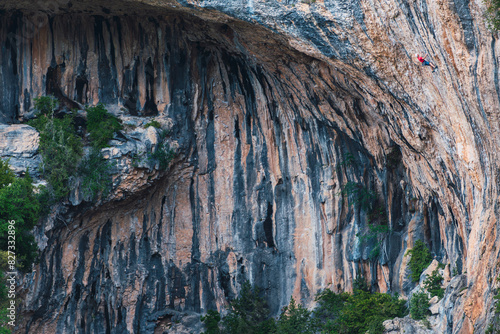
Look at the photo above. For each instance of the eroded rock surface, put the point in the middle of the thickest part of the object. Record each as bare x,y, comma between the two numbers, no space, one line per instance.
19,144
275,108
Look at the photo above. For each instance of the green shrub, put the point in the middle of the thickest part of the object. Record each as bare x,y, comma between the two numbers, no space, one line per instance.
249,314
61,150
420,259
357,313
6,174
295,319
163,154
95,172
419,305
153,123
433,284
497,298
46,105
19,202
329,309
364,311
360,284
101,125
341,313
211,321
492,14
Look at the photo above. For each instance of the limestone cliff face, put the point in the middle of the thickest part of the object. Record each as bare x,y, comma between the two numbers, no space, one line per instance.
275,107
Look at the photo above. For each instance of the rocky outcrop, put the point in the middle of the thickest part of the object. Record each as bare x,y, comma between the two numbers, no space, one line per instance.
19,144
276,107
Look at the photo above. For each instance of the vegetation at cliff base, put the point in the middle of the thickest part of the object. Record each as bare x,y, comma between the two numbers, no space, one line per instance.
357,313
420,259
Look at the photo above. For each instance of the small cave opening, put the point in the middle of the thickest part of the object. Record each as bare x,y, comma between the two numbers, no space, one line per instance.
81,86
268,226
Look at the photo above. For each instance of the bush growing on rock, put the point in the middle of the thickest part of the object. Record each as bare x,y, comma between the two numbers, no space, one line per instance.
101,125
419,305
420,259
154,123
433,284
61,150
95,172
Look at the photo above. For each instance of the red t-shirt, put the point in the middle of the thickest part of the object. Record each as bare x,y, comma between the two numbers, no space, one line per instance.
421,59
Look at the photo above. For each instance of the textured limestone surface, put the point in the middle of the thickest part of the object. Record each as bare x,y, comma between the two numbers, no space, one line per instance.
276,107
19,144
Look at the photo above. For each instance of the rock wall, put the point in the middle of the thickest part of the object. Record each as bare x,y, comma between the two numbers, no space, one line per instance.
276,107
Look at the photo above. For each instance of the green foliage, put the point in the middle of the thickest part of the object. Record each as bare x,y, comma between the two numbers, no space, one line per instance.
356,313
329,309
295,319
154,123
163,154
211,321
95,172
101,125
19,202
6,174
492,14
364,311
249,314
61,150
420,259
341,313
360,284
419,305
433,284
46,105
357,194
497,298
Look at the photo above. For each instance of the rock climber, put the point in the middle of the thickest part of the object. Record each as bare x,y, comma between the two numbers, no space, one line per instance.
426,62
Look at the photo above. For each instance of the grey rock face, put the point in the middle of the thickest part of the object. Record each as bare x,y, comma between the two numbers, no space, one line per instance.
19,144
